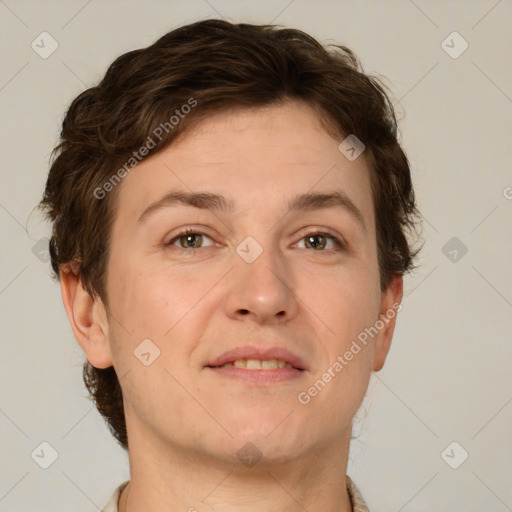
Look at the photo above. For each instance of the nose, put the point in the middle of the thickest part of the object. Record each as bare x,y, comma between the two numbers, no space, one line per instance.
262,290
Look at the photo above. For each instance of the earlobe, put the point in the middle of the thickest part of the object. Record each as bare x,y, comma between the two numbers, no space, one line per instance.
88,319
390,304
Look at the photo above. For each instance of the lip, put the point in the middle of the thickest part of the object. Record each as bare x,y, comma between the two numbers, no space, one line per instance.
257,377
251,352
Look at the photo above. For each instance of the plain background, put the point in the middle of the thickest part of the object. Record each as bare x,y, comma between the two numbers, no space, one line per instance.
448,375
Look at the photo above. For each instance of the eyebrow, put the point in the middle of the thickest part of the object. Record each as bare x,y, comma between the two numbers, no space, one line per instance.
217,202
203,200
318,201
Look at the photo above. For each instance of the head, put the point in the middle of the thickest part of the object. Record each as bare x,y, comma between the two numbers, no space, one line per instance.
255,114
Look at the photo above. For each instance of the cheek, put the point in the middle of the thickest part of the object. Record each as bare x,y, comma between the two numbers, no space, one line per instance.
346,302
167,305
148,300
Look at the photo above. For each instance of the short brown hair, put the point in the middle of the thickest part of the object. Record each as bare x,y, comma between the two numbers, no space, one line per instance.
219,66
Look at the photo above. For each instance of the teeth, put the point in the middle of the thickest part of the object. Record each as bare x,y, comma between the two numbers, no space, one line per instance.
256,364
253,364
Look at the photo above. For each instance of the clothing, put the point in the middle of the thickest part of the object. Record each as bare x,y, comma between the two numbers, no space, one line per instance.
358,504
113,502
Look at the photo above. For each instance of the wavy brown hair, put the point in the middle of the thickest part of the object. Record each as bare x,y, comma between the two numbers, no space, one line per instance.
221,66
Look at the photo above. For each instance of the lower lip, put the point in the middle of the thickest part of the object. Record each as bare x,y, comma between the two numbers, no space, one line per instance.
259,377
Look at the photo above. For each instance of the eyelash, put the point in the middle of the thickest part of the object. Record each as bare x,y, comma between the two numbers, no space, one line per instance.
338,243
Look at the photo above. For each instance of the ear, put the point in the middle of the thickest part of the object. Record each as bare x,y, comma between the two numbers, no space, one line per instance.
88,319
389,307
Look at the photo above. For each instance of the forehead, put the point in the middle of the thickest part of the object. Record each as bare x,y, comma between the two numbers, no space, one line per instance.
257,158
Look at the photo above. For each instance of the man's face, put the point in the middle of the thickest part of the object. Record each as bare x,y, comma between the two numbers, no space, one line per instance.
256,281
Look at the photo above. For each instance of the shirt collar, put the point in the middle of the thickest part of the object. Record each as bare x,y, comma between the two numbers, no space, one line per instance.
357,501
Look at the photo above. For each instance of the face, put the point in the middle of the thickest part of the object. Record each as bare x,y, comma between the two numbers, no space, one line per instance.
250,292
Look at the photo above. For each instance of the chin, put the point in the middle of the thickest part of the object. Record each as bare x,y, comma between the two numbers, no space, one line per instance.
274,435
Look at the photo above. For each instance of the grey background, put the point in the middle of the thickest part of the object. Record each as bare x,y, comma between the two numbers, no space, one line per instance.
448,375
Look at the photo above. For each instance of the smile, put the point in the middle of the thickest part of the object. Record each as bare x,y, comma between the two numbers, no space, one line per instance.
256,364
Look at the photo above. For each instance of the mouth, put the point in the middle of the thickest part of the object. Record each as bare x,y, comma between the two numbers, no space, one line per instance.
254,358
258,366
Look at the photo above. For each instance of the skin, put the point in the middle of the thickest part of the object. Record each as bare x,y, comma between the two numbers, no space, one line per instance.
185,422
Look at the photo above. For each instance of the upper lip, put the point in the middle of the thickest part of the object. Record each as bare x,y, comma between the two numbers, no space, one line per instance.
251,352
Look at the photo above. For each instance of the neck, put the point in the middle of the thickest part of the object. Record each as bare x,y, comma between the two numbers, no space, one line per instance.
170,479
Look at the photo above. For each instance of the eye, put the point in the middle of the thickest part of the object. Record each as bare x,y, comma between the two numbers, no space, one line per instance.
321,242
190,239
